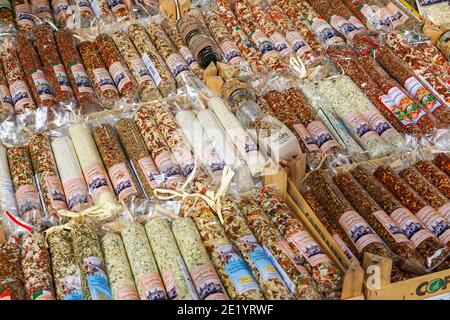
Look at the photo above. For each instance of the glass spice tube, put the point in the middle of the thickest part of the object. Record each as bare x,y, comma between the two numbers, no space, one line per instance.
147,88
438,178
52,65
47,176
442,161
229,264
158,149
22,12
155,64
36,267
11,276
101,79
77,73
427,191
427,247
121,75
419,207
253,253
6,107
140,159
66,273
122,178
325,273
286,261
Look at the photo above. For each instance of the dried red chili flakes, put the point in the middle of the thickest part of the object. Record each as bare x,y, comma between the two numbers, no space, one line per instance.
438,178
442,161
11,276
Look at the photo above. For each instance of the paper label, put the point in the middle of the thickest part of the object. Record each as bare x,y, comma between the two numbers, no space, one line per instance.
55,192
121,180
322,136
59,9
296,260
407,110
361,127
71,288
187,55
96,277
411,226
127,293
358,230
84,6
28,201
7,196
148,167
348,253
444,211
104,80
20,95
170,284
261,41
23,14
177,66
62,77
77,195
7,103
141,70
356,22
207,283
81,78
325,32
309,248
379,124
343,26
280,44
398,14
188,279
435,223
395,231
231,52
167,167
297,42
42,295
306,137
418,91
152,286
97,180
151,68
287,281
119,75
117,5
372,18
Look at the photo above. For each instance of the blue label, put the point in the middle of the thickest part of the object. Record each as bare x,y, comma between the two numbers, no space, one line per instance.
75,296
99,288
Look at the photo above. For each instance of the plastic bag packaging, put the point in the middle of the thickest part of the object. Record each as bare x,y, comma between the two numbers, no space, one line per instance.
71,175
89,257
78,76
174,273
12,286
436,11
91,164
200,267
435,176
442,161
6,103
286,261
152,60
427,247
7,193
36,267
24,18
121,75
66,272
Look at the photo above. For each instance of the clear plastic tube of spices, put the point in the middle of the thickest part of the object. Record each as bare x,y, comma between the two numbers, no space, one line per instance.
435,176
7,194
24,18
42,10
87,14
7,13
442,161
11,276
119,10
102,10
61,12
155,64
147,88
6,103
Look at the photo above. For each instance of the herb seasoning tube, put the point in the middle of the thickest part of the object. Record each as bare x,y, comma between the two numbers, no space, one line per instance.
49,183
12,286
6,102
78,76
75,188
265,273
159,72
66,273
204,276
286,261
121,75
425,213
36,266
442,161
140,159
91,164
88,255
146,87
123,181
117,267
101,79
52,65
173,270
22,12
158,149
143,265
427,247
7,195
435,176
233,271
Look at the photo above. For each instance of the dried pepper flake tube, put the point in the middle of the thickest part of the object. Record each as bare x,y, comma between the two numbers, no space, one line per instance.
6,103
22,11
7,194
143,265
236,277
155,64
123,181
36,266
158,149
253,253
117,267
89,257
52,65
286,261
42,10
75,188
27,195
140,160
435,176
101,79
204,276
47,176
91,164
419,207
427,191
427,247
77,73
147,88
12,286
123,79
6,13
174,273
442,161
66,273
323,270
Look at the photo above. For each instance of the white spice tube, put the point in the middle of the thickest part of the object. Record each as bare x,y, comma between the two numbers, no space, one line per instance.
225,147
74,185
91,164
7,197
242,140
